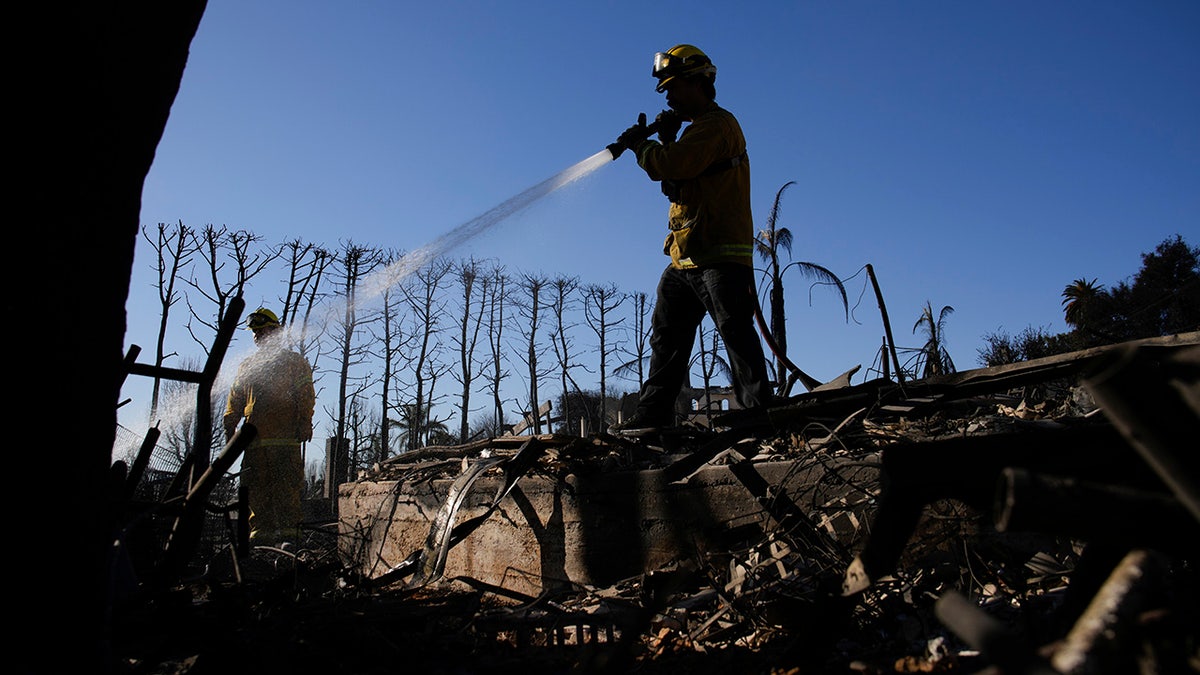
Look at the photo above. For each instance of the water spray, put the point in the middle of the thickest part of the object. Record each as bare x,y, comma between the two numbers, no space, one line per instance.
172,412
386,278
414,260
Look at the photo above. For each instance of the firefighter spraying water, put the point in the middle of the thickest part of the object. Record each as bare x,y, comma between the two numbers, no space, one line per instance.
705,174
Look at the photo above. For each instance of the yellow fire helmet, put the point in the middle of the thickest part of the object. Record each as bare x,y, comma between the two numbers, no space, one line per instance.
681,61
262,318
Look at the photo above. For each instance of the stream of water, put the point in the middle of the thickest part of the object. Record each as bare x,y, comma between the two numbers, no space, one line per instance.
173,412
380,281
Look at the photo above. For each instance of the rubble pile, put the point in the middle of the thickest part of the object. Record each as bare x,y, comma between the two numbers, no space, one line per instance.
1026,519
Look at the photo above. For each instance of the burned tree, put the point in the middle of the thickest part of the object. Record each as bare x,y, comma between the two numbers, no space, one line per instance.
306,265
356,263
219,246
639,341
933,358
173,249
768,243
561,303
391,341
496,298
425,306
530,307
600,302
710,361
472,280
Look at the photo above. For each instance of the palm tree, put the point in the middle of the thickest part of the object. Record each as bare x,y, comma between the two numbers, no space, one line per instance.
1080,301
932,358
767,243
416,426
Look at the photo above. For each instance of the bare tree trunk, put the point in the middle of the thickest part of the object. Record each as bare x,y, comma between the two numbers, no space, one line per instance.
600,301
392,343
306,265
469,325
497,300
639,355
308,294
425,306
173,253
561,305
357,262
778,325
711,363
532,286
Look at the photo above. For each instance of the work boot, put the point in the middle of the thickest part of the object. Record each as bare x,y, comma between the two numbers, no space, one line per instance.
640,424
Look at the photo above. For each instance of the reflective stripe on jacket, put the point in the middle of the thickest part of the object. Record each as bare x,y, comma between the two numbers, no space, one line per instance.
709,217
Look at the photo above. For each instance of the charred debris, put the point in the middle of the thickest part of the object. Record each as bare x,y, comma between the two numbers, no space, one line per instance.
1040,517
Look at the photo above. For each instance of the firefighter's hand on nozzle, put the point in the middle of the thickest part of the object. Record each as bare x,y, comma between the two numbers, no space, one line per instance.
668,123
634,135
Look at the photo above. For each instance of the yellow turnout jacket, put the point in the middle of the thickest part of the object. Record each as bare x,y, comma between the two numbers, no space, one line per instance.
707,176
273,390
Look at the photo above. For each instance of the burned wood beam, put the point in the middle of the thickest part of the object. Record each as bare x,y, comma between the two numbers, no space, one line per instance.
140,462
501,443
1072,365
1105,639
968,469
163,372
208,377
130,359
439,452
819,404
1031,501
185,533
1152,395
205,379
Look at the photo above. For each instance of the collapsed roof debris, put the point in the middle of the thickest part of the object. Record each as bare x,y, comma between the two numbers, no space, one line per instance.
1037,518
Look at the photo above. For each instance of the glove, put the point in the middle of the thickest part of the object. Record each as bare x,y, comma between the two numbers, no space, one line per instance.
668,122
634,135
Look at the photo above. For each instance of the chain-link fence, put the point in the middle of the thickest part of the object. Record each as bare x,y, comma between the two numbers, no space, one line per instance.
155,502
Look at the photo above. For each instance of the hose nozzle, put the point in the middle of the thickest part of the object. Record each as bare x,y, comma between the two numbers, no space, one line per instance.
617,148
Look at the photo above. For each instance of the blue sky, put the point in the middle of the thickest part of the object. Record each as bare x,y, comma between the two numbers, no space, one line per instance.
981,155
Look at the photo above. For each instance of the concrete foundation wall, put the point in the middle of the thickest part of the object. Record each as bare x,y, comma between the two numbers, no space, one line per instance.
590,530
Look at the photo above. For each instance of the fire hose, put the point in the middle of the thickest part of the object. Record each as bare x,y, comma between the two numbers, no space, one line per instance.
807,380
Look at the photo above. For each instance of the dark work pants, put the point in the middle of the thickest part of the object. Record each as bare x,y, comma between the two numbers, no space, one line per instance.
724,291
